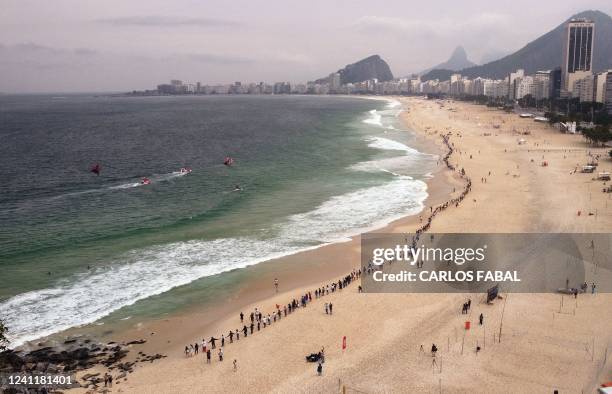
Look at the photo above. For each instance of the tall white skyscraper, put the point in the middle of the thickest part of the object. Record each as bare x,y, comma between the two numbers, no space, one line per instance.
577,53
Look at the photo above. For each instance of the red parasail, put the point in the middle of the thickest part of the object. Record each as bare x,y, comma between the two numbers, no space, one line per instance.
96,169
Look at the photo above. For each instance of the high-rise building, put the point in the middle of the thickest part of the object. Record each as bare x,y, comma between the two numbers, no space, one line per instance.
600,86
584,89
555,83
334,82
542,84
513,81
609,92
577,53
525,87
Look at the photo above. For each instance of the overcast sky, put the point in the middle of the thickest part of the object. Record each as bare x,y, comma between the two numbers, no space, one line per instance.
120,45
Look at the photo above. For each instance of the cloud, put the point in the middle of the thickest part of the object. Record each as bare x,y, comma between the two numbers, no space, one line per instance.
390,25
217,59
168,21
31,48
84,52
443,26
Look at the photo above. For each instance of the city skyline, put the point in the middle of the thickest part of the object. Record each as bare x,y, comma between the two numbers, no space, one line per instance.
68,47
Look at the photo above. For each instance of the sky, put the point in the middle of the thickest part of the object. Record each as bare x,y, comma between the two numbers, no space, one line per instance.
124,45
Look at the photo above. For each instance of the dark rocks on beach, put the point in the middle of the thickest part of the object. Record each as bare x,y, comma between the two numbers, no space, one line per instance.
75,355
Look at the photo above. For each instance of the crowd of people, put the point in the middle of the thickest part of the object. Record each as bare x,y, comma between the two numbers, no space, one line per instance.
454,201
257,320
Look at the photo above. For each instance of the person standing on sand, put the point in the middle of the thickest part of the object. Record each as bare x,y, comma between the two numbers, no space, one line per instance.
241,317
235,365
208,355
320,369
220,354
326,309
231,336
481,319
252,327
593,286
331,308
212,342
222,340
245,331
276,284
237,335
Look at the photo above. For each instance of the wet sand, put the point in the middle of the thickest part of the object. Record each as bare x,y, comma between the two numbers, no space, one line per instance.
543,346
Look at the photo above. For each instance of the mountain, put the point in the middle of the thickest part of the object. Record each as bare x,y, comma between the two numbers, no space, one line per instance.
439,74
545,52
492,55
370,67
457,61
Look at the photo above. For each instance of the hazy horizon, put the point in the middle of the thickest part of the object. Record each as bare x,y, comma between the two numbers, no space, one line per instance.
111,46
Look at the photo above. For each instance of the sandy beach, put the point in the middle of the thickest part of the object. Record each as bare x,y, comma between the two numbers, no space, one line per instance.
543,346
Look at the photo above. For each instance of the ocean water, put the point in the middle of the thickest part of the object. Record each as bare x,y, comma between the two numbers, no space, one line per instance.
76,248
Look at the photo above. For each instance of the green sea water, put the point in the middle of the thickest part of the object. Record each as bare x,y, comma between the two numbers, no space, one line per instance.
76,247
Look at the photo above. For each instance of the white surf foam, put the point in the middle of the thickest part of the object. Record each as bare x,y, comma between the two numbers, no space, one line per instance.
140,274
388,144
375,118
392,165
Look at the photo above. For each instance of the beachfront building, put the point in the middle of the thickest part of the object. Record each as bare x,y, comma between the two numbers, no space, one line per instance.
334,82
498,89
513,81
525,86
577,53
542,85
556,83
584,89
608,97
600,86
457,85
477,87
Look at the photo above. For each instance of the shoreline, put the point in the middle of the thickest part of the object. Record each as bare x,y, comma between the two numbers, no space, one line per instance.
387,329
296,272
95,327
304,269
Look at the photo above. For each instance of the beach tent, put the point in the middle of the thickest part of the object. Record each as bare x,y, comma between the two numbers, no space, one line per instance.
604,176
588,168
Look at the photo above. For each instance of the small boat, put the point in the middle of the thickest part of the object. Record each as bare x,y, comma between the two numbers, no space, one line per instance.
185,170
145,181
228,161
